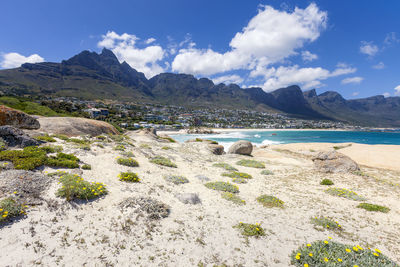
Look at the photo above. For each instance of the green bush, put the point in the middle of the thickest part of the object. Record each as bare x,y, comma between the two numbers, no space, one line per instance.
147,146
251,163
328,253
130,162
74,187
27,159
225,166
128,154
222,186
10,208
373,207
248,229
267,172
45,138
341,192
326,182
63,160
166,148
3,145
237,175
326,223
129,177
163,161
270,201
120,147
79,141
239,180
171,140
86,167
176,179
233,198
52,149
61,136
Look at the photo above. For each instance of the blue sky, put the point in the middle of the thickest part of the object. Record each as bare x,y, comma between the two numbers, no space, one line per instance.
352,47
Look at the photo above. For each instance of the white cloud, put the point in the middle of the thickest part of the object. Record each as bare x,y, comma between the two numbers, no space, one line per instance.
228,79
397,90
355,93
146,60
386,94
306,77
270,37
391,38
355,80
379,66
150,40
14,60
308,56
369,48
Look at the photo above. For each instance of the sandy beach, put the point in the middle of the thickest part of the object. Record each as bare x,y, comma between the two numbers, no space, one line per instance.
100,233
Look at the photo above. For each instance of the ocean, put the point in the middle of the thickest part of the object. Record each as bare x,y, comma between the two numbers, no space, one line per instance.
284,137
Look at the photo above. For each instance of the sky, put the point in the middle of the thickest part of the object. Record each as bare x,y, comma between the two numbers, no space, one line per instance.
352,47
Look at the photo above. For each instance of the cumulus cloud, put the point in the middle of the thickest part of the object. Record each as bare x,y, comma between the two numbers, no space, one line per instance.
308,56
355,80
369,48
379,66
306,77
397,90
228,79
386,94
124,46
14,60
271,36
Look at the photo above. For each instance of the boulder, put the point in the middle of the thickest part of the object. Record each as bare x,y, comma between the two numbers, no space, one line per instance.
18,119
188,198
28,185
241,147
333,162
16,137
216,149
71,126
199,131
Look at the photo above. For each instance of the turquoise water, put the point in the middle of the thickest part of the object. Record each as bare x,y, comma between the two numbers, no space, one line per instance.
284,137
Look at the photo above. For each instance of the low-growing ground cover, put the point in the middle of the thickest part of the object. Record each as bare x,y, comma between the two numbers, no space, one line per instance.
341,192
130,162
176,179
10,208
45,138
326,223
328,253
163,161
251,163
270,201
233,198
266,172
222,186
225,166
248,229
373,207
75,187
129,177
237,175
326,182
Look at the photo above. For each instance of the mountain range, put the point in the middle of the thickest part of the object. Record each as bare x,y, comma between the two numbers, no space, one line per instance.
89,75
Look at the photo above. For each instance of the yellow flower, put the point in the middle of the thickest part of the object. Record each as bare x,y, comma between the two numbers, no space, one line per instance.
308,245
5,215
326,259
376,254
377,250
355,266
359,247
1,209
348,250
339,260
305,265
15,192
310,254
326,242
297,256
329,237
355,248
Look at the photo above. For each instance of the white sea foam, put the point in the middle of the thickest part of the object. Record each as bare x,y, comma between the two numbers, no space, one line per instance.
257,135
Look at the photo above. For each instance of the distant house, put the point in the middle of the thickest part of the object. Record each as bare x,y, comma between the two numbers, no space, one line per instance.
95,112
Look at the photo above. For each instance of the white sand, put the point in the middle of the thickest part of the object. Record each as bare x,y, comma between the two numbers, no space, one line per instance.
96,233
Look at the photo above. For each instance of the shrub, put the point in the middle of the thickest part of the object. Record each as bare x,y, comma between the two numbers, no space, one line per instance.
145,146
334,191
329,253
117,138
129,177
84,147
373,207
237,175
45,138
27,159
86,167
222,186
10,208
3,145
128,154
52,149
248,229
270,201
171,140
63,160
326,223
266,172
101,137
225,166
239,180
119,147
163,161
233,198
61,136
78,141
166,148
176,179
251,163
74,187
130,162
326,182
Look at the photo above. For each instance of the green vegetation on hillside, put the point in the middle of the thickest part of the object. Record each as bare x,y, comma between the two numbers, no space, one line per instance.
27,106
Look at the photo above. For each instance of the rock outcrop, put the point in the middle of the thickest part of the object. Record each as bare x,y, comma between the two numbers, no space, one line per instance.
71,126
16,137
241,147
200,131
216,149
16,118
333,162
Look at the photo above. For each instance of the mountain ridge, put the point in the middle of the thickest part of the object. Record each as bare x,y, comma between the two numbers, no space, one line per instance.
90,75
